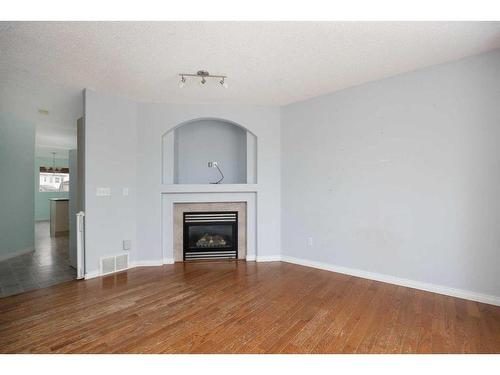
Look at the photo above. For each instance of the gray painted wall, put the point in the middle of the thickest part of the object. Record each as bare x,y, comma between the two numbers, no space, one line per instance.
124,149
154,120
17,201
110,162
400,176
201,141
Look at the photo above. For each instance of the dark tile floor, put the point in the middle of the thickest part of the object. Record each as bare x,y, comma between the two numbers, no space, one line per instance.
47,265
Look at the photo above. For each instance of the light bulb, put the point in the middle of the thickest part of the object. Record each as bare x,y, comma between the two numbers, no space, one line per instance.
182,82
201,82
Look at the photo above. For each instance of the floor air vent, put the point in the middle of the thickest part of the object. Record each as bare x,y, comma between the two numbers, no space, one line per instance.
114,263
121,262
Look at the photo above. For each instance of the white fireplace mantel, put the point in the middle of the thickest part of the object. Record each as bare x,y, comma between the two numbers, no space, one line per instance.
209,188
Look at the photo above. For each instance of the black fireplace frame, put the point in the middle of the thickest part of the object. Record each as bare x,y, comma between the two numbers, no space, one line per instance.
210,252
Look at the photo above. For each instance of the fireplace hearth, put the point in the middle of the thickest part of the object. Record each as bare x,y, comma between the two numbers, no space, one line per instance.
210,235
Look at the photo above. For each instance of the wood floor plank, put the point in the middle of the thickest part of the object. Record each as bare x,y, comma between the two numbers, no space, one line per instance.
242,307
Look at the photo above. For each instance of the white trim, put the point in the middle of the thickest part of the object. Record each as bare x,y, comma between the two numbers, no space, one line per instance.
250,258
16,253
268,258
208,188
146,263
92,274
440,289
168,261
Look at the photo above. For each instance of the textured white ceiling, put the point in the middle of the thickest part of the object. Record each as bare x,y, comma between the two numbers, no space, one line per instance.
272,63
23,94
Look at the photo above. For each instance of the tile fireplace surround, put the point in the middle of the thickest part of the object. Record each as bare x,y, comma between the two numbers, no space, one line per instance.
211,197
180,208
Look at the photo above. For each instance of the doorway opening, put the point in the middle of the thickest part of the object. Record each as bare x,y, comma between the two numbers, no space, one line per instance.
43,155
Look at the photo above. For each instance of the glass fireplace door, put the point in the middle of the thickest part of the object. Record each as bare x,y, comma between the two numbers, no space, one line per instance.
212,235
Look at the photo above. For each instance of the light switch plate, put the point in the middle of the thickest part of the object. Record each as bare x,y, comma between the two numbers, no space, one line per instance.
125,191
103,192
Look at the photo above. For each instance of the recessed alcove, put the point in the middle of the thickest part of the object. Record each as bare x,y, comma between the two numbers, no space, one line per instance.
189,147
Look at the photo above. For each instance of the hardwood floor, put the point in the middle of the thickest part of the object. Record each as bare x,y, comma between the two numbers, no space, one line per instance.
241,307
47,265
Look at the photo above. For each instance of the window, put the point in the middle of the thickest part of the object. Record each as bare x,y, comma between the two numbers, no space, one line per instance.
50,181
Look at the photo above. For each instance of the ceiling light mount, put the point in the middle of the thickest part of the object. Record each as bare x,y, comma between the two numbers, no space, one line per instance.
203,74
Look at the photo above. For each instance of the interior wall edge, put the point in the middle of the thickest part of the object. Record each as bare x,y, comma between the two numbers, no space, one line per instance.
268,258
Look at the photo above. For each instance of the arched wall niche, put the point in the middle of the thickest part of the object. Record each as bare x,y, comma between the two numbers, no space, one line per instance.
188,147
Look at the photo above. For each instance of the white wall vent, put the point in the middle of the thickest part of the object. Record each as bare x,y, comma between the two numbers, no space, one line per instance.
114,263
121,262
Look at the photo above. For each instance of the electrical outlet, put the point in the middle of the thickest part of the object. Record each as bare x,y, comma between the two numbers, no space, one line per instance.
310,242
127,244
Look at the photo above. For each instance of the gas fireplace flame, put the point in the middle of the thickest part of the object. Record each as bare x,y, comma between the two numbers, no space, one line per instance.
211,240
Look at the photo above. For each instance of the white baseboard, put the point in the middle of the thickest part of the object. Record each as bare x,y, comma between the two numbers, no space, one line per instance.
250,258
168,261
17,253
268,258
92,274
146,263
151,263
440,289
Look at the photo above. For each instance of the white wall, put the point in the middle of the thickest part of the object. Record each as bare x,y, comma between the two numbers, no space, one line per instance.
124,149
400,176
110,161
154,120
198,142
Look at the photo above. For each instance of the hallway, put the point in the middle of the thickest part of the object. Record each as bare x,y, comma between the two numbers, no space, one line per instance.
47,265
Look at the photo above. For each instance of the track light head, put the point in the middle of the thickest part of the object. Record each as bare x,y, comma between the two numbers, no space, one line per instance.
182,82
224,83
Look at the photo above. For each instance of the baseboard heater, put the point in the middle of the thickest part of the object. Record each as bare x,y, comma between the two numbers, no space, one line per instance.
210,235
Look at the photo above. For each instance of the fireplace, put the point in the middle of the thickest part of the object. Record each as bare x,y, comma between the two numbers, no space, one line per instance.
210,235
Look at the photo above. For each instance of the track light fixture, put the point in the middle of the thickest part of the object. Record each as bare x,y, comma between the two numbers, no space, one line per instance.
182,82
203,74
